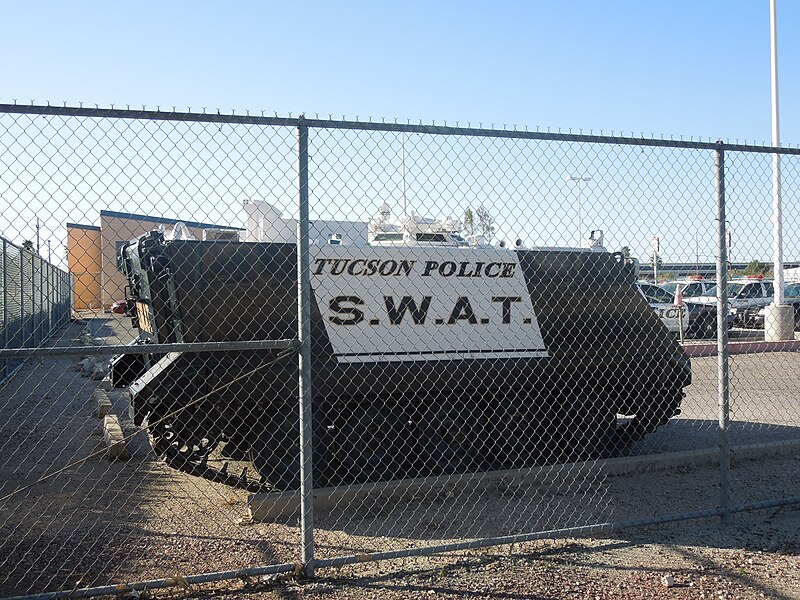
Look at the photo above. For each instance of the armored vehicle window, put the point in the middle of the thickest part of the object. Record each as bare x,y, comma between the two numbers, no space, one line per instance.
431,237
389,237
769,289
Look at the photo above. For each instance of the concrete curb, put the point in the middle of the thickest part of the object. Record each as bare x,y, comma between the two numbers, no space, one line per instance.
271,506
102,403
114,438
698,350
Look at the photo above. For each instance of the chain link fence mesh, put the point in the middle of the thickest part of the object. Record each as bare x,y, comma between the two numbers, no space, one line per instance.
495,335
35,301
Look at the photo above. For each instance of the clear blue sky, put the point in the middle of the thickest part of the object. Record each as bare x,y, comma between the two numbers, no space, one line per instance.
677,68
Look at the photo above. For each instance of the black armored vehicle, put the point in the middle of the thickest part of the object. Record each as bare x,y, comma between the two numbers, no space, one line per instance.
426,359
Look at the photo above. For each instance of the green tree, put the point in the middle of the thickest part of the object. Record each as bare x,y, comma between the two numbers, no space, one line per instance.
626,252
27,245
755,267
469,222
485,223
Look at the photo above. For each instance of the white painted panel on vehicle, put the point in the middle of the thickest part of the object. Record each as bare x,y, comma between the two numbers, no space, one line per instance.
416,303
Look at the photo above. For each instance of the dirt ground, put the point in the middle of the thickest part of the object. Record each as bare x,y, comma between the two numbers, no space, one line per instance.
754,557
71,518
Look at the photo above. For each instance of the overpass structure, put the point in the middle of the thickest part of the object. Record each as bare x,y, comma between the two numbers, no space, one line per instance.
679,270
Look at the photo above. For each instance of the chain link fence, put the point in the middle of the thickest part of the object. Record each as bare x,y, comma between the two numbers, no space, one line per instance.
35,301
316,343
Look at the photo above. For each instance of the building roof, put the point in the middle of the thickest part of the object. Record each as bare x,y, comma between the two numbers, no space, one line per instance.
80,226
135,217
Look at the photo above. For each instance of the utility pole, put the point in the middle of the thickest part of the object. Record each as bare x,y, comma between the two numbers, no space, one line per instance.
655,246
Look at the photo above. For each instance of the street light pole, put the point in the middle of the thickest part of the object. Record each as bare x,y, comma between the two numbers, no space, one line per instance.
578,179
655,246
778,317
776,160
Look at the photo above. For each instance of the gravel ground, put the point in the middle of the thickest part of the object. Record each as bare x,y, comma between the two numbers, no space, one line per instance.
98,522
754,557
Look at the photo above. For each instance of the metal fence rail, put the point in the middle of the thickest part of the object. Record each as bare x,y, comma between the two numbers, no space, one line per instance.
436,331
35,301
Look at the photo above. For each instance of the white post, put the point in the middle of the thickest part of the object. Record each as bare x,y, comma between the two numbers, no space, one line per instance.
580,225
778,319
777,250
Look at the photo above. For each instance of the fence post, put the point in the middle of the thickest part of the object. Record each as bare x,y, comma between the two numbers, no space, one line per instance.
22,318
5,307
33,299
44,278
304,355
48,295
723,389
66,296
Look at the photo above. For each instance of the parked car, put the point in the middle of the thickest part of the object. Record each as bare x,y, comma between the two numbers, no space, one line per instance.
699,298
703,319
754,317
693,287
674,317
743,295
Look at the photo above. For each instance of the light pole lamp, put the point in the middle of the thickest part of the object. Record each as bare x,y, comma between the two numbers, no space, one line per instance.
578,179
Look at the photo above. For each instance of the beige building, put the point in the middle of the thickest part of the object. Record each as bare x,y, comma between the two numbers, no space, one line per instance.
83,261
92,253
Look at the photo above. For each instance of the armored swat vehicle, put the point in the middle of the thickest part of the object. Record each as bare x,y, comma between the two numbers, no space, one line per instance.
426,359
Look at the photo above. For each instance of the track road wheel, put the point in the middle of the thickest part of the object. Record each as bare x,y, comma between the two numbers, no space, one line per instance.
178,440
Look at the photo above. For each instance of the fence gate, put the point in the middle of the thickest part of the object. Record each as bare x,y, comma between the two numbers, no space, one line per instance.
265,344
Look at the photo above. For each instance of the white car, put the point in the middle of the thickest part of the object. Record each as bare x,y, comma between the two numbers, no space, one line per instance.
744,295
692,287
676,318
